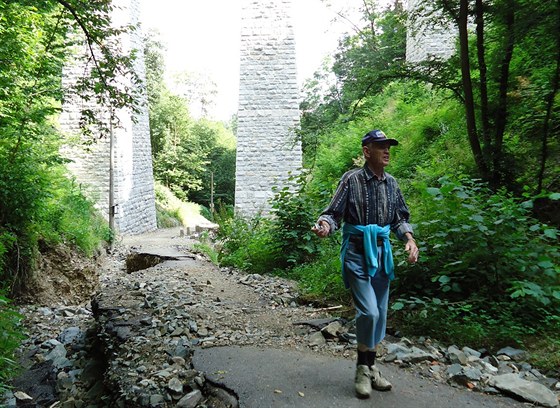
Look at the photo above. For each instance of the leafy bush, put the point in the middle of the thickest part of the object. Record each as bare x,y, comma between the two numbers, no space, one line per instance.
10,336
166,218
71,218
479,242
170,207
247,244
205,246
294,212
321,279
488,272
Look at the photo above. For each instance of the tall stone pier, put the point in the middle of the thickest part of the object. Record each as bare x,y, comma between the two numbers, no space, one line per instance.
268,104
132,182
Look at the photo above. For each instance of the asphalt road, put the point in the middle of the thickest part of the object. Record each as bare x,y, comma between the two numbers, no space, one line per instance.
268,378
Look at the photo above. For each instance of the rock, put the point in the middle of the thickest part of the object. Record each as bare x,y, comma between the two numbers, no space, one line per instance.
58,357
472,374
454,370
45,311
416,356
529,391
70,335
505,368
150,321
175,385
332,329
550,383
397,350
470,352
317,339
156,400
456,356
492,360
190,400
22,396
487,367
514,354
317,324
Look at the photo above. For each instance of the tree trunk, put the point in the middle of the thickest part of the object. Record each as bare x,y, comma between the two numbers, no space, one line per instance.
468,90
549,106
501,111
484,116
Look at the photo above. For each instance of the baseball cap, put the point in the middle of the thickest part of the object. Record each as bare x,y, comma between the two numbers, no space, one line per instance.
377,136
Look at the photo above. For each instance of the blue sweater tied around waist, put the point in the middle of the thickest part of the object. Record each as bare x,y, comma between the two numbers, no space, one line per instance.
370,233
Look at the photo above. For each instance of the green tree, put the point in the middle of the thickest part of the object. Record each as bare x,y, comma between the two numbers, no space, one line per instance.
37,199
364,63
36,37
509,68
186,151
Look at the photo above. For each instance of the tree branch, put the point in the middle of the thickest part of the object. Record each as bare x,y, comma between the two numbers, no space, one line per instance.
89,38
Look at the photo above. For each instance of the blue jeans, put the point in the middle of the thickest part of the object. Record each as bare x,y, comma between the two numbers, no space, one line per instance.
370,295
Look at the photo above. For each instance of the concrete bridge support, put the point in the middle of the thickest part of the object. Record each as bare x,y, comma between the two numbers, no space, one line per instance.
132,181
268,104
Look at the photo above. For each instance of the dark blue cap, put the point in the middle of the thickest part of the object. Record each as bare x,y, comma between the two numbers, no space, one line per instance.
377,136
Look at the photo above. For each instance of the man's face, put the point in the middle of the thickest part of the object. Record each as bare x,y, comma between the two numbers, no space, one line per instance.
377,153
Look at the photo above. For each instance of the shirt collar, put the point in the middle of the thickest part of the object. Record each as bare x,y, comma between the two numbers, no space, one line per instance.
369,174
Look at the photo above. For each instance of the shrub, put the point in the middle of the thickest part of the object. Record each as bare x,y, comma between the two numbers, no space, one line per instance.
321,280
170,207
475,241
487,273
247,244
71,218
10,337
294,212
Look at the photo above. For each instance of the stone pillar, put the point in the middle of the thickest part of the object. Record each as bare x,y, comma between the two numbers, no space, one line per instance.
268,104
429,35
133,182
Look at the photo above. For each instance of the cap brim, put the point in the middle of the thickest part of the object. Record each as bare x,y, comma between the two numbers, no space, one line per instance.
392,142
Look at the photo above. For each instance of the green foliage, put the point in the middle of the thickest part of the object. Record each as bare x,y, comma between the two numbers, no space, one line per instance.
510,65
446,321
166,218
363,60
479,322
205,246
484,242
36,200
479,248
173,211
321,279
247,244
188,154
70,218
361,68
427,124
293,212
10,337
220,168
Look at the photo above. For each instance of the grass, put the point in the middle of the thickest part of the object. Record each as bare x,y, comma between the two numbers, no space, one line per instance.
172,212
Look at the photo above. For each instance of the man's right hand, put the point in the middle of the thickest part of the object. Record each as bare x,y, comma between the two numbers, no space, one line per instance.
321,229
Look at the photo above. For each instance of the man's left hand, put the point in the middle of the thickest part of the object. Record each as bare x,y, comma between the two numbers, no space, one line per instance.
412,250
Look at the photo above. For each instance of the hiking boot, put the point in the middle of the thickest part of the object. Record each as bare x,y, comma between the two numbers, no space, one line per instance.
362,382
379,382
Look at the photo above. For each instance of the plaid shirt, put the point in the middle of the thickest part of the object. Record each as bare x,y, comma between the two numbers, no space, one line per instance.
362,199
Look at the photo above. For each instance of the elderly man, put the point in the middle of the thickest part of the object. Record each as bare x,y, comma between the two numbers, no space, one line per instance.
370,204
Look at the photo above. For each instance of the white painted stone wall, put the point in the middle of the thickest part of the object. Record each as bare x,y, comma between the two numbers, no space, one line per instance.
133,175
268,104
428,37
